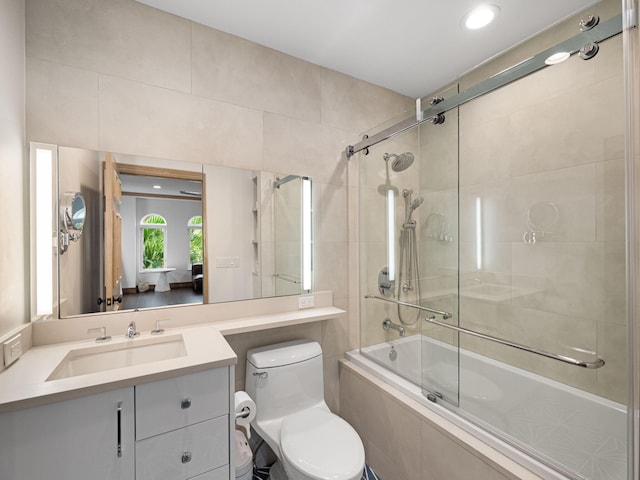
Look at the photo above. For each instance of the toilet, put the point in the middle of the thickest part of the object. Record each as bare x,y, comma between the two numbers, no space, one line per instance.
286,383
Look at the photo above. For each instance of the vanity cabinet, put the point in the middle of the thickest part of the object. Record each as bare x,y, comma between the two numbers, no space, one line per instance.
182,427
87,437
174,429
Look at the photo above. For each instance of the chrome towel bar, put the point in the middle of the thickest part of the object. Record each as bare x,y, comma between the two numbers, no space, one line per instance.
445,315
554,356
286,278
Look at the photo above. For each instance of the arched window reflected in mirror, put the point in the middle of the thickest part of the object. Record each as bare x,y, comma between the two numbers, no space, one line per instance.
196,246
153,234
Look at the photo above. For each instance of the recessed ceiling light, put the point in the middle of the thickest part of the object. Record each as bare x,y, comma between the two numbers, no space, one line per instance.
480,17
556,58
157,187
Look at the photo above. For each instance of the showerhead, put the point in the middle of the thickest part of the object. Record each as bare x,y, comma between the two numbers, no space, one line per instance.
416,203
400,162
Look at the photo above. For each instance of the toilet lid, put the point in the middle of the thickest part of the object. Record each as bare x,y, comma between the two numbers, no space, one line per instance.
322,446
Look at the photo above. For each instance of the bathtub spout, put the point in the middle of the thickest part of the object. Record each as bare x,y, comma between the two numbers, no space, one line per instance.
388,324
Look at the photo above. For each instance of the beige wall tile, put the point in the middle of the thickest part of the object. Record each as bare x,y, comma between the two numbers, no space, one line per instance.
613,346
240,72
305,148
152,121
485,156
118,37
439,154
615,292
330,213
561,203
610,195
332,382
550,142
357,106
62,104
330,270
573,275
335,334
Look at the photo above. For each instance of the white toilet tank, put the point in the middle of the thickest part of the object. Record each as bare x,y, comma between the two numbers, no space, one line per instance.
285,378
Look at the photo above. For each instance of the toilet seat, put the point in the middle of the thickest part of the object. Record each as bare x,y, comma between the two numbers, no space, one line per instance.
321,446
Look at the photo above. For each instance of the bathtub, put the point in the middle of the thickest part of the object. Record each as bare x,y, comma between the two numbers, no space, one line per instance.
545,426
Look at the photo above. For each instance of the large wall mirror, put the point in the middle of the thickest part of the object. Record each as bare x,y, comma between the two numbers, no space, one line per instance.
158,232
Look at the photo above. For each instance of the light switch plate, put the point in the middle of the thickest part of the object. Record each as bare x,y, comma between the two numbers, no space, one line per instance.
306,302
12,349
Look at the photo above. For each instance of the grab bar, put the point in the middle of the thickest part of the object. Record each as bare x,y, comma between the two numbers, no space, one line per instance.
445,315
598,363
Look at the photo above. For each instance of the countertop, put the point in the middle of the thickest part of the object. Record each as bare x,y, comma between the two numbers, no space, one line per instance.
25,384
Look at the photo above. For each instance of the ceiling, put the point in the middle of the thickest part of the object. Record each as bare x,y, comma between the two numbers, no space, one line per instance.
142,185
412,47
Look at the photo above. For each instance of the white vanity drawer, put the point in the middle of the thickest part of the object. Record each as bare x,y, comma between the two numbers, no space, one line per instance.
177,402
184,453
221,473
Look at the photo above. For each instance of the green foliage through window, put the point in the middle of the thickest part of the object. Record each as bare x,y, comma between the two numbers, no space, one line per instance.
153,241
196,251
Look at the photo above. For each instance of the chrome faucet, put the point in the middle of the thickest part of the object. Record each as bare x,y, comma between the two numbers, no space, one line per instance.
131,330
388,324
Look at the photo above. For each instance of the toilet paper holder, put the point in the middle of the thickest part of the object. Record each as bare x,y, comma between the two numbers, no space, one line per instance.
244,413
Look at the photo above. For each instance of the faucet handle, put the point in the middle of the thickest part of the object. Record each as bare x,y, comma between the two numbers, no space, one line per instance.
103,334
158,330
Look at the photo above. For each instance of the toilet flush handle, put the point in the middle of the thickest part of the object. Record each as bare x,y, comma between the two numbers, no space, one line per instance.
261,374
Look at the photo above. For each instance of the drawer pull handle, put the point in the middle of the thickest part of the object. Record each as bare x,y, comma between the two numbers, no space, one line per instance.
185,403
186,457
119,417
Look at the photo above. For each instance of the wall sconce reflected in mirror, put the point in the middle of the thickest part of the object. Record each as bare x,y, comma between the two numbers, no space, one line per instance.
478,233
72,218
306,234
43,160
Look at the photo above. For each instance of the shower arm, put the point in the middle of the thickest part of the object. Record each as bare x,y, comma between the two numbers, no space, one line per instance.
554,356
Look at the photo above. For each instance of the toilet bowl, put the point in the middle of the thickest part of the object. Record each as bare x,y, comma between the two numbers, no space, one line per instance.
286,382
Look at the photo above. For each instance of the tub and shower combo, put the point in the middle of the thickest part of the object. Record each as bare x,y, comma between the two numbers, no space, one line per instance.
492,256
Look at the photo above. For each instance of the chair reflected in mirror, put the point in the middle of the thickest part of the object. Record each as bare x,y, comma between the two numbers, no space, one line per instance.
197,277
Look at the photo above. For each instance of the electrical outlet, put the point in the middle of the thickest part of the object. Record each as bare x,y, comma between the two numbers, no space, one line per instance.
12,349
306,302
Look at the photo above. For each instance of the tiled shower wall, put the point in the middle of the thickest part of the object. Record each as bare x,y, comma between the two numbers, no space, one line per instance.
547,153
123,77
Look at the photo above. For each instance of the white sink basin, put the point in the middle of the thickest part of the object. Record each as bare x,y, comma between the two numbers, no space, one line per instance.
118,355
